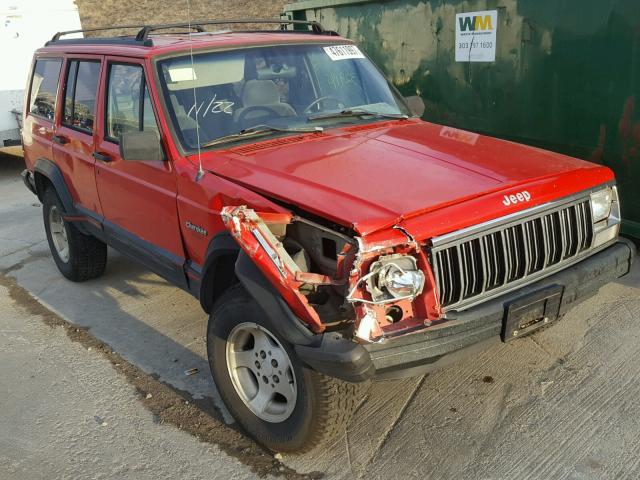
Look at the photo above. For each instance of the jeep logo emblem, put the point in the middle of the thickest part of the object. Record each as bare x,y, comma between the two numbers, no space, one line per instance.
519,197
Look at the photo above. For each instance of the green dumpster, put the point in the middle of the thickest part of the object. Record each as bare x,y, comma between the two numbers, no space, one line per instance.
559,74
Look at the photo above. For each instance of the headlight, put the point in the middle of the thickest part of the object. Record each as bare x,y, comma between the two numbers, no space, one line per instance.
394,277
401,283
605,210
601,204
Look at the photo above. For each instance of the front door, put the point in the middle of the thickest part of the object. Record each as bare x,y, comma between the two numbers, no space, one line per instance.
138,198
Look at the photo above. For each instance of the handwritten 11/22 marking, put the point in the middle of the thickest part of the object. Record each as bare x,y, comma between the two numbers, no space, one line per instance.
214,106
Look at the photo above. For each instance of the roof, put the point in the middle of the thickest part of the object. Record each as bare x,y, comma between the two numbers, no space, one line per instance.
127,46
148,43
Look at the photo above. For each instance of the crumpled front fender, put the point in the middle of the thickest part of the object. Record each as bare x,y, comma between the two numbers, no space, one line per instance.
257,240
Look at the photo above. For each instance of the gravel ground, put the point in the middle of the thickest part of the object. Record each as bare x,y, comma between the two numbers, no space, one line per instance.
93,384
68,413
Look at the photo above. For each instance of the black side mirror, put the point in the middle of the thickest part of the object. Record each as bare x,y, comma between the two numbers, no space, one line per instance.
416,104
141,146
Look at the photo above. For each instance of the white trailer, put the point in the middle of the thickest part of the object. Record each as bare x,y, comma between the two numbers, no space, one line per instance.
25,25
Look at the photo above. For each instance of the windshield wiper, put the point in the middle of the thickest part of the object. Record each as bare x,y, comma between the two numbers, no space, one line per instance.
257,131
356,112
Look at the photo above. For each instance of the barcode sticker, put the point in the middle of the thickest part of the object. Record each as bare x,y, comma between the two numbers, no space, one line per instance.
343,52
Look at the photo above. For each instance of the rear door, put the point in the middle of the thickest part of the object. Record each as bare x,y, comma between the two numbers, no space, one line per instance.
40,110
74,140
138,197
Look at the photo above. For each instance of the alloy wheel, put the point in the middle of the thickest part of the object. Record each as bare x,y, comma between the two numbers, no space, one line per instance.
261,372
59,234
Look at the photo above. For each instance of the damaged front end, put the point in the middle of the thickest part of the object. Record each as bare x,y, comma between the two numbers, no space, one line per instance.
368,288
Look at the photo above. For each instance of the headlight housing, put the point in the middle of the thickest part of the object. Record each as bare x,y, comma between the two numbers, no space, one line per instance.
601,202
394,277
605,212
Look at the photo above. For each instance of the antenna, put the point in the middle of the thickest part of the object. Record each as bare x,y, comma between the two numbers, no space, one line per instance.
200,173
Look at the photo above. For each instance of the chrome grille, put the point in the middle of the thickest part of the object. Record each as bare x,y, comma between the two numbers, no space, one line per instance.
474,266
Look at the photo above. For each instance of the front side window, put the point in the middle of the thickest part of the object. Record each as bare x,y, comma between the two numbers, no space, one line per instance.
222,94
80,95
44,86
129,105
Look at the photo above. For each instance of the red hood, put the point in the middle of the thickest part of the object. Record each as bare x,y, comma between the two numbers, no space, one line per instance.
373,176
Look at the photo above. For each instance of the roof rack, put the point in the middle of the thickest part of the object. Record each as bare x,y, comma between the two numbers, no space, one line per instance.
142,36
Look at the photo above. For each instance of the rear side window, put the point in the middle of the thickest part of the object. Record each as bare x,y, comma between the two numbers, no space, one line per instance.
80,95
44,85
128,102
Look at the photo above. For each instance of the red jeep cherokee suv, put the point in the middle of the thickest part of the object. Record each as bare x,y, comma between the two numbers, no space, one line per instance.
332,236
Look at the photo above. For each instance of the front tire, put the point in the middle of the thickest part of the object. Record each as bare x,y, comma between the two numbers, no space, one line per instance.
285,406
79,257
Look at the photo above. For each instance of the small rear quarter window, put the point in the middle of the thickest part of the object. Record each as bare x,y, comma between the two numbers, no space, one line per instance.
44,86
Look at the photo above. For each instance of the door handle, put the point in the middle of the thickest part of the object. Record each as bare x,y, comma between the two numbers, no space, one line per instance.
59,139
103,157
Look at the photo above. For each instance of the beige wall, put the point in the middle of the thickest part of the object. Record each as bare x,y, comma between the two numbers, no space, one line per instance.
98,13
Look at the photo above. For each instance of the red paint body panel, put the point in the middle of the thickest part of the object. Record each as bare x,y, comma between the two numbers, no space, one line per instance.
284,281
201,203
489,206
36,139
402,169
139,197
424,179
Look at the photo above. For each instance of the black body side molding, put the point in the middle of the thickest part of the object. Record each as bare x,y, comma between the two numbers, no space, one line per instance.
48,169
52,172
203,282
278,313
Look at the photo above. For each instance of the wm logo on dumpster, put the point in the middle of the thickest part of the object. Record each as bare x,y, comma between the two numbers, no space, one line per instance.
476,23
476,36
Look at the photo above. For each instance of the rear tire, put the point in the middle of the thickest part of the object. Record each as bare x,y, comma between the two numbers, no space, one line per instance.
79,257
318,407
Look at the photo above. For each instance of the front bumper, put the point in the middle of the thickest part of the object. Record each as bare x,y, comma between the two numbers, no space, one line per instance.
467,333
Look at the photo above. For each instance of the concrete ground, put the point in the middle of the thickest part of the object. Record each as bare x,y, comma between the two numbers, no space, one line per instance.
93,384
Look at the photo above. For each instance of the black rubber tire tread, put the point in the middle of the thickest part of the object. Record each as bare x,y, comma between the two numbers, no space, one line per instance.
329,402
337,402
87,254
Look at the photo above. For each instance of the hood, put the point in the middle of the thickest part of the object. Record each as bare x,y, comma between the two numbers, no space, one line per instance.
372,176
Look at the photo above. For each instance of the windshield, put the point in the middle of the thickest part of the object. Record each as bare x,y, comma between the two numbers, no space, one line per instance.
298,87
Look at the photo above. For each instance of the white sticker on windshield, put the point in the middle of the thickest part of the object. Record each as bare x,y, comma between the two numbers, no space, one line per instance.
343,52
182,74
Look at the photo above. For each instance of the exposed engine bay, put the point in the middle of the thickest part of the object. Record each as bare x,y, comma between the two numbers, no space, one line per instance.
335,281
